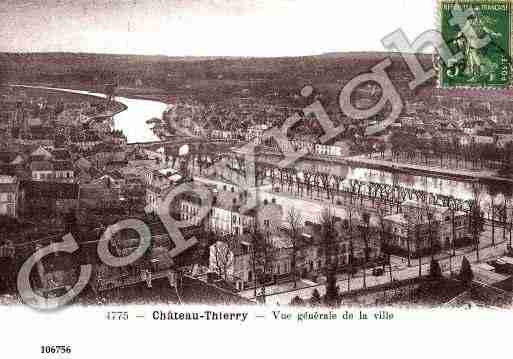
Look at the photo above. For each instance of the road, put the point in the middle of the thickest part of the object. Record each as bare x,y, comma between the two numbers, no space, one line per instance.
284,293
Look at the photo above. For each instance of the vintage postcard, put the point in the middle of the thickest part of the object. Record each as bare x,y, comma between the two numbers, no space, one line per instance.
188,176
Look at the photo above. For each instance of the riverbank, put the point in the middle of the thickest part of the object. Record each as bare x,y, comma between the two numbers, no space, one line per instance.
421,170
43,91
132,120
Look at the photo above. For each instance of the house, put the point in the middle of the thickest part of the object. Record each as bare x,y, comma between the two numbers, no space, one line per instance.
42,153
40,136
98,194
474,139
9,192
227,216
63,171
108,155
48,198
85,140
255,133
42,170
483,139
60,154
232,257
156,184
413,230
85,174
113,180
11,158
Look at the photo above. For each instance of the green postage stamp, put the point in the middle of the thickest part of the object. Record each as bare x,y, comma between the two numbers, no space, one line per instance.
478,34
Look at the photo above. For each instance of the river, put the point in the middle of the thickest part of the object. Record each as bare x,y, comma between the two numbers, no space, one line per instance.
132,122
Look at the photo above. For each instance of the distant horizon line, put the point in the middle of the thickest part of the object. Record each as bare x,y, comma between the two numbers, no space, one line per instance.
327,54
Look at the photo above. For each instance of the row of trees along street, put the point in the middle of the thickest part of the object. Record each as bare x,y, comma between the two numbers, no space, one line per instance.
406,146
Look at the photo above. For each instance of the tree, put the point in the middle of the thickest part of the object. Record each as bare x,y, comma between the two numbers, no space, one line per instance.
364,228
466,275
413,224
295,223
297,301
432,227
315,300
434,269
384,235
330,248
223,257
261,253
476,221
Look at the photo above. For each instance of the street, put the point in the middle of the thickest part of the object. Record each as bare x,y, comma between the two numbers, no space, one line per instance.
284,293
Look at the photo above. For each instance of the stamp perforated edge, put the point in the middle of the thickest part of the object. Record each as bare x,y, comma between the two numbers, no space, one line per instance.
438,27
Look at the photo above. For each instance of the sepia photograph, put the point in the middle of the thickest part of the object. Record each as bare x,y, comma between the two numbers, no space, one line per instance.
324,158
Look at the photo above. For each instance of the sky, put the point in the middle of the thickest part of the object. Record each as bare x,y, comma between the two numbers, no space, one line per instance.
208,27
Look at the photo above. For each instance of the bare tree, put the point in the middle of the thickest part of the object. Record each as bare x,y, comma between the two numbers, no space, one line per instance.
364,228
476,221
223,256
384,235
508,216
489,208
413,224
432,226
295,223
330,249
262,255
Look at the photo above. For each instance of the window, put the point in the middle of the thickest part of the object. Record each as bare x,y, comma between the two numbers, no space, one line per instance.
266,223
10,210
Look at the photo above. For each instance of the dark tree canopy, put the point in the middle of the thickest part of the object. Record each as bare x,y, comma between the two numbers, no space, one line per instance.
297,301
315,300
466,274
434,269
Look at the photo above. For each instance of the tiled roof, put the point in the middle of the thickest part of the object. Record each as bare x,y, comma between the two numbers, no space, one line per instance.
63,166
51,190
61,154
41,166
188,291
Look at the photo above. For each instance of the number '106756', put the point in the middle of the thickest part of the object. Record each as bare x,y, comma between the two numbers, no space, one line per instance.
55,349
